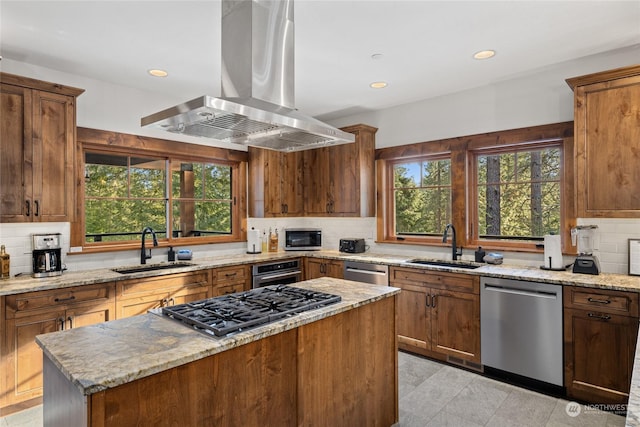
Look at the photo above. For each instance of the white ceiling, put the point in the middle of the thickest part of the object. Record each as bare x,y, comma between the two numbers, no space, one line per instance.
426,46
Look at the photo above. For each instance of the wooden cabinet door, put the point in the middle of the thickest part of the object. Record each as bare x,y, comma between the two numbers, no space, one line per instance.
455,324
53,152
335,269
17,153
292,183
317,181
599,355
344,180
22,357
315,268
413,316
607,135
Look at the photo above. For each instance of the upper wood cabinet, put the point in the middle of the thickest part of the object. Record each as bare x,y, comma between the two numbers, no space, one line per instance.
340,180
37,142
330,181
275,180
607,143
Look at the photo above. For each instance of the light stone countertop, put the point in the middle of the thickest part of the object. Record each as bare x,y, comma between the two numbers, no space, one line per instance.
76,278
109,354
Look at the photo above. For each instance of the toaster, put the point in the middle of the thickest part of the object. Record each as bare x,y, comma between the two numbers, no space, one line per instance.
352,245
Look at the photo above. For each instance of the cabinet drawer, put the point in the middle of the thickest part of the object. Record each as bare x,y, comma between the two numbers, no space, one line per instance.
604,301
451,281
56,298
135,287
228,289
228,275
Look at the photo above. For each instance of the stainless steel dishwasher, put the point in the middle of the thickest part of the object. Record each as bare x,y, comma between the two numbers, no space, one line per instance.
366,272
521,328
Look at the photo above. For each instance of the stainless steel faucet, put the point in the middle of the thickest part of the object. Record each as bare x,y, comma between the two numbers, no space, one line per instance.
143,253
454,250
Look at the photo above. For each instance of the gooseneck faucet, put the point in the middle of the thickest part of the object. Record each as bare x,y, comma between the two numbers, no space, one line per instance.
143,253
454,250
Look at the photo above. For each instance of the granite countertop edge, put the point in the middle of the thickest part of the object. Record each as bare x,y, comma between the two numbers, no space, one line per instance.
102,356
608,281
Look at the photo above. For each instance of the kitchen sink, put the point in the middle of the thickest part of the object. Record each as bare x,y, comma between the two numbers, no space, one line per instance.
453,264
150,267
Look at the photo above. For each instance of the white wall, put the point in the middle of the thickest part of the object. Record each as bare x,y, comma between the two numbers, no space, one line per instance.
534,98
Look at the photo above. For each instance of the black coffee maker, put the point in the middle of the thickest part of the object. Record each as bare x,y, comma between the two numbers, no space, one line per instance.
47,255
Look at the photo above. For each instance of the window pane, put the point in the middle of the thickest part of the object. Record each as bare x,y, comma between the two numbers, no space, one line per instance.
191,218
105,175
217,179
147,178
519,194
117,220
422,196
407,175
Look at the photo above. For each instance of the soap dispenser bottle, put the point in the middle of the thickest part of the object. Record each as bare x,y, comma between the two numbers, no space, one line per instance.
480,254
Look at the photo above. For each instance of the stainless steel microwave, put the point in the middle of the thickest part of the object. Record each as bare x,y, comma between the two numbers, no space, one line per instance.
302,239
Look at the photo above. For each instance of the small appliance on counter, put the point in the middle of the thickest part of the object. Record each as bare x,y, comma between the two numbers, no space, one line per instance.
184,254
302,239
352,245
47,255
583,236
493,258
254,241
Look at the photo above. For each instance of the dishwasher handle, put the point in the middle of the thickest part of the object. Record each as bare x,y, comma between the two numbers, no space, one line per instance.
357,270
522,292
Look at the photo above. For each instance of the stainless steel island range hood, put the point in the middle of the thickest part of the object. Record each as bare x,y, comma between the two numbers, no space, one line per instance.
257,103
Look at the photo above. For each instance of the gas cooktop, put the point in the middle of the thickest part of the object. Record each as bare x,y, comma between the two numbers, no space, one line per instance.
230,313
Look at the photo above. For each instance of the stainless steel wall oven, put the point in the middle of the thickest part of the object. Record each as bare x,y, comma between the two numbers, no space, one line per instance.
276,273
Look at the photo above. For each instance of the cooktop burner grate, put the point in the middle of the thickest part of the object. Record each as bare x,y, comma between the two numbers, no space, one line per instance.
240,311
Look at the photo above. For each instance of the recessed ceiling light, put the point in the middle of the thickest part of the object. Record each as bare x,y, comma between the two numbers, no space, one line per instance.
158,73
378,85
484,54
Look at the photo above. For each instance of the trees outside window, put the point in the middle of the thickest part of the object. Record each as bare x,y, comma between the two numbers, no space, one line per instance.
518,193
422,196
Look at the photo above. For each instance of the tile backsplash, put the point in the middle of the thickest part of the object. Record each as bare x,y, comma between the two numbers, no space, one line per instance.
611,246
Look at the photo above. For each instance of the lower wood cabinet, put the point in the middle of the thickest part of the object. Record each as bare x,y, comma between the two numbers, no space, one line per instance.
34,313
315,268
229,280
137,296
600,333
438,314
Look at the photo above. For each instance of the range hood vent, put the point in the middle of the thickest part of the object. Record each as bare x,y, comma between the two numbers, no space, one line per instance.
257,103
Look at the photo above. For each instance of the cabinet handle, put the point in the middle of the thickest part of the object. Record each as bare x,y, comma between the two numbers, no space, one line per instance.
28,203
599,301
71,298
61,321
36,205
433,301
428,303
230,274
599,316
70,320
164,302
172,301
286,208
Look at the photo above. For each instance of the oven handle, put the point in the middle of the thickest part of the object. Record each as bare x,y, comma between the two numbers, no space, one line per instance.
278,276
374,272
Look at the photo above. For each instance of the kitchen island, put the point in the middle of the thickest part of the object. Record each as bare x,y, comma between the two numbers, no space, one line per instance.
335,365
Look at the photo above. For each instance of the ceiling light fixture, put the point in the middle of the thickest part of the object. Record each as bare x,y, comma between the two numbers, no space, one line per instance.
484,54
158,73
378,85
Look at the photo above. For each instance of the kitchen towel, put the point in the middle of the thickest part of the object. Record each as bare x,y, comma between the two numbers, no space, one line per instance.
553,252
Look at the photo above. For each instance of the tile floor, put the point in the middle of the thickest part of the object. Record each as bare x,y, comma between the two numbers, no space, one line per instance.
433,394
